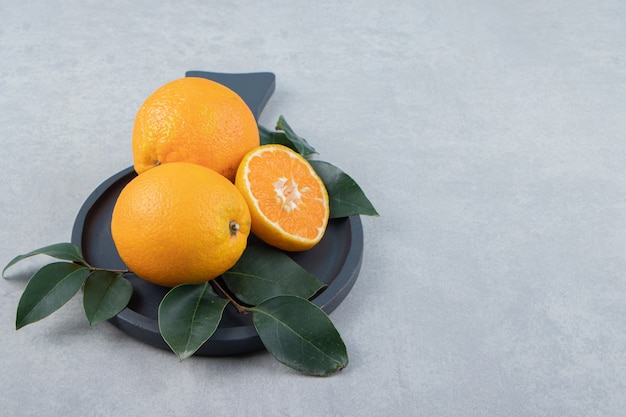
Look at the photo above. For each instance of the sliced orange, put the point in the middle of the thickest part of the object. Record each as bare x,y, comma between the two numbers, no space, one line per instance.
288,201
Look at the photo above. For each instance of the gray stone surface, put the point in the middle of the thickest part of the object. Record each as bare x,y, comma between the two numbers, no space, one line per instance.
489,135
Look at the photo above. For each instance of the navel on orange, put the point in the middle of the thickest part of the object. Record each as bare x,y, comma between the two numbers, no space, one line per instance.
288,201
180,223
194,120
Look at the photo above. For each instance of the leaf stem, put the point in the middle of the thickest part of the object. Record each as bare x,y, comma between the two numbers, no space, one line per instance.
118,271
240,309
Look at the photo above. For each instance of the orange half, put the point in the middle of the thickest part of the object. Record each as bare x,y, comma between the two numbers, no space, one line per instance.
288,201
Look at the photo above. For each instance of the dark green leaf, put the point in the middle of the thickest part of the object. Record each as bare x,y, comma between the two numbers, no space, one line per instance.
188,317
49,289
285,136
65,251
106,293
264,272
269,137
346,197
300,335
302,146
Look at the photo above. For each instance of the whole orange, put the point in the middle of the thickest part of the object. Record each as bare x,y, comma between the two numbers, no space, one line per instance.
194,120
180,223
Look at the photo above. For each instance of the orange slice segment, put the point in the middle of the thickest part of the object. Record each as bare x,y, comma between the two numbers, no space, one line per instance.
288,201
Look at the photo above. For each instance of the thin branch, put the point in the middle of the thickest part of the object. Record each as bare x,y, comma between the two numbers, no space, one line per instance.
240,309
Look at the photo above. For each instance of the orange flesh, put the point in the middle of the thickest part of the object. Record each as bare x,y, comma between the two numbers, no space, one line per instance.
288,194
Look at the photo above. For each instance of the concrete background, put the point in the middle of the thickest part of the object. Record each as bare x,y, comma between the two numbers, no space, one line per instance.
488,134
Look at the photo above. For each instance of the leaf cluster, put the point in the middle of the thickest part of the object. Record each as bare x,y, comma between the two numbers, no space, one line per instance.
105,292
265,283
275,290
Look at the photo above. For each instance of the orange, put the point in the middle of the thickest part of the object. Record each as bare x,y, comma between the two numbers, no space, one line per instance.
194,120
287,199
180,223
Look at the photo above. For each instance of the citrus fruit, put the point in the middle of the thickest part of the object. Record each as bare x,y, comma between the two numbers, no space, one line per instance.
180,223
194,120
288,201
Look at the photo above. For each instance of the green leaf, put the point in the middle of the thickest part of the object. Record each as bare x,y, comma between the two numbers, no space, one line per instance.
302,146
65,251
106,293
300,335
346,197
188,317
264,272
48,289
285,136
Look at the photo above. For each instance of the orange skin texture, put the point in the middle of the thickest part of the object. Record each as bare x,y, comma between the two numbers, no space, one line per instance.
175,224
193,120
288,201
